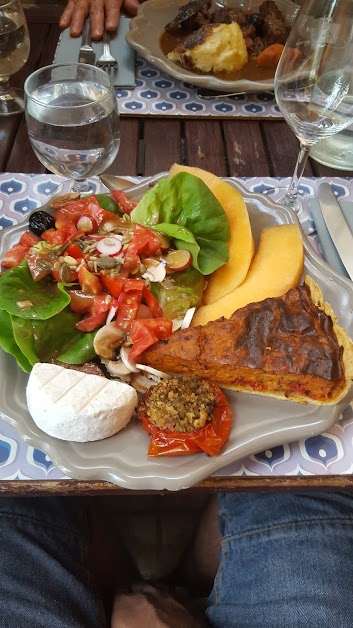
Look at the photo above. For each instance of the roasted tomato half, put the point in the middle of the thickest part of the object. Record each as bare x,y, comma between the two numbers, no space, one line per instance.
185,415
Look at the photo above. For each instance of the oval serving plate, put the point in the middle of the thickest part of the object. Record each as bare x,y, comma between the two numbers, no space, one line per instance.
260,423
146,30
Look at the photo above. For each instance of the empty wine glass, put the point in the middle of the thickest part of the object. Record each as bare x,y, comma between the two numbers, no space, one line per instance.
14,51
73,121
314,78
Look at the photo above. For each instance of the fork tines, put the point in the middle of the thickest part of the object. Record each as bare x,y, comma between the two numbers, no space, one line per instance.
106,60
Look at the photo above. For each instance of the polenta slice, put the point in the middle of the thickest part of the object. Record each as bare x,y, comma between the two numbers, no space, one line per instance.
276,267
241,244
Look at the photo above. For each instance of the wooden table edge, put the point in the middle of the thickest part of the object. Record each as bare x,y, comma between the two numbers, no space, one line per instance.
239,484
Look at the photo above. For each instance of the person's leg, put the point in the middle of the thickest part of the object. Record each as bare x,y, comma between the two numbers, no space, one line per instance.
45,579
286,561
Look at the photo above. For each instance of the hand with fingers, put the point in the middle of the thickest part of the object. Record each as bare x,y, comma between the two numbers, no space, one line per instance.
104,15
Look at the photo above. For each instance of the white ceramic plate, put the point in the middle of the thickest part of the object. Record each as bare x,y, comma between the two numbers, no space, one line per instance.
259,423
147,27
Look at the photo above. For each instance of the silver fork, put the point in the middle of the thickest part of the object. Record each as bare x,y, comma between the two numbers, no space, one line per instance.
106,60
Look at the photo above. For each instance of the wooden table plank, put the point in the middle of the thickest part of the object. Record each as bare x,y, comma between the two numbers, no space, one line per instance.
126,162
246,152
239,484
204,146
161,145
282,148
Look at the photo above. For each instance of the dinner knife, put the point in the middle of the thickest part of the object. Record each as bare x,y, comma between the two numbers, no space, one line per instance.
337,226
86,54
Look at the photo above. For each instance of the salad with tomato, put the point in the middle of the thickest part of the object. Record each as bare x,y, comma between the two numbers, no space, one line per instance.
108,276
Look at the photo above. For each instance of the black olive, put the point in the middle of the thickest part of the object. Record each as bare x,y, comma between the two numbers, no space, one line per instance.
258,21
40,221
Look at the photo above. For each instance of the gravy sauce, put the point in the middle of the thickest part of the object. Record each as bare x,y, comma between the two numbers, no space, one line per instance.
251,71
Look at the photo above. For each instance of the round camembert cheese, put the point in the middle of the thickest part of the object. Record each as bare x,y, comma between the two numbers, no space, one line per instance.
77,406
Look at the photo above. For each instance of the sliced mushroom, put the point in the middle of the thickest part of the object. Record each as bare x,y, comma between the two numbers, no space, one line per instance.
107,339
116,368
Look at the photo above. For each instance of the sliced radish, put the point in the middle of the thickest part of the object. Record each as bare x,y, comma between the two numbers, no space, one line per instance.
110,245
188,318
177,260
86,224
155,270
130,364
152,371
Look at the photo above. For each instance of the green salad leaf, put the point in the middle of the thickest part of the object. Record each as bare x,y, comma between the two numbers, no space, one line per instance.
184,209
9,344
179,291
21,296
56,338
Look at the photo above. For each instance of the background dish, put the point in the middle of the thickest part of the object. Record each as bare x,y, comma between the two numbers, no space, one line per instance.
259,423
147,27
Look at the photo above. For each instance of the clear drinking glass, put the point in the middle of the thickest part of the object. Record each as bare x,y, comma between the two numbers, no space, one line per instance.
73,121
314,78
14,51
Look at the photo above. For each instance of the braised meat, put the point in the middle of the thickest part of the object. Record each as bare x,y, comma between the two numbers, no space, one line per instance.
275,30
260,29
285,347
190,17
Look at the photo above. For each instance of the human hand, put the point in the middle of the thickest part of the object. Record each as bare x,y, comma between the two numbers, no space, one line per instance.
104,15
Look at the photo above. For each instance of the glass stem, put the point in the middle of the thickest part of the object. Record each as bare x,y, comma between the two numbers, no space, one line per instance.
81,185
4,85
290,198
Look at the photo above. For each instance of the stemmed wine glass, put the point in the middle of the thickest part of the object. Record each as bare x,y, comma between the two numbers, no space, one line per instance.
14,51
73,121
314,78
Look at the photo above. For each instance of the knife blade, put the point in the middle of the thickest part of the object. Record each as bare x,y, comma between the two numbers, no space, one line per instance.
337,226
86,54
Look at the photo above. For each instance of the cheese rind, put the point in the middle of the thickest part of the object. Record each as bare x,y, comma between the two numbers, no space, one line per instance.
77,406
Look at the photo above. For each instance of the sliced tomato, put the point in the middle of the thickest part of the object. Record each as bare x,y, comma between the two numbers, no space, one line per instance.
144,243
80,301
112,285
134,284
89,282
144,333
126,205
91,322
143,312
72,211
72,278
128,305
74,251
39,265
152,303
14,256
29,239
209,439
65,233
100,304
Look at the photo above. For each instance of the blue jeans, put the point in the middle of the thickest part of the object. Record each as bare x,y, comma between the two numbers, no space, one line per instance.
45,580
286,562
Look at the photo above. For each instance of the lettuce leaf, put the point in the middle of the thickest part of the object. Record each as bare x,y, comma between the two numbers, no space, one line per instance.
54,339
46,296
8,342
179,291
184,209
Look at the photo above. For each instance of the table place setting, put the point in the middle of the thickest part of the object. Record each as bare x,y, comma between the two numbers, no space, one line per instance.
328,453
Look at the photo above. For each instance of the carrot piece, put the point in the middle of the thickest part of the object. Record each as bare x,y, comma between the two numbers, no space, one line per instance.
270,56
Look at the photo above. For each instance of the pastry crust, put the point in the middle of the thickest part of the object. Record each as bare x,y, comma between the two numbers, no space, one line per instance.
290,347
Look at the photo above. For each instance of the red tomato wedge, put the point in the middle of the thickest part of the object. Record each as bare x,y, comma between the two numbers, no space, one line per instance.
209,439
14,256
145,332
126,205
